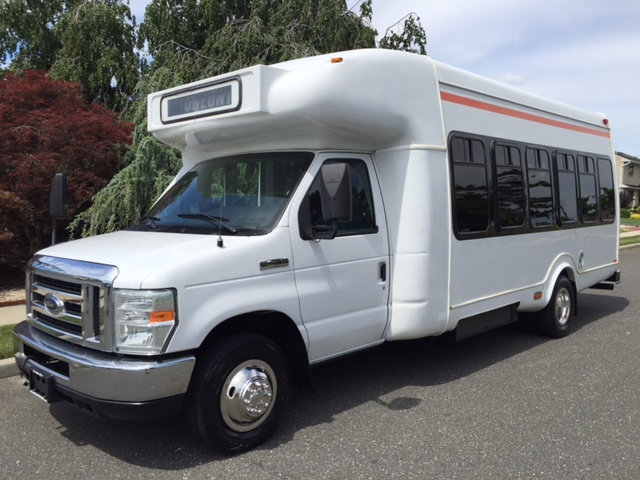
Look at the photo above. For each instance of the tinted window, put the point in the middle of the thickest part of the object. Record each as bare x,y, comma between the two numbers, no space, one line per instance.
567,189
540,192
521,187
588,199
510,190
362,218
471,193
607,197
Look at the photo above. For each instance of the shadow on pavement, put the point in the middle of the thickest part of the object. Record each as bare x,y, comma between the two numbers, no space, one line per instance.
339,386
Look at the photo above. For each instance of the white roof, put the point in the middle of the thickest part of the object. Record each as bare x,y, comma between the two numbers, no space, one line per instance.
367,100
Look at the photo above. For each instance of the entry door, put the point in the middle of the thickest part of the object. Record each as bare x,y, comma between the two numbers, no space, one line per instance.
343,283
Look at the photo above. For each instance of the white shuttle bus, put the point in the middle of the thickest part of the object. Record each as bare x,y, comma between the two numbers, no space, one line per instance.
325,205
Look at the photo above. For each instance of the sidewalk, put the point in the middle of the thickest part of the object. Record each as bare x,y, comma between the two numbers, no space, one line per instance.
12,314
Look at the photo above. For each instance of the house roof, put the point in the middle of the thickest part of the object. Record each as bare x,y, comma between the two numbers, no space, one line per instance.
626,156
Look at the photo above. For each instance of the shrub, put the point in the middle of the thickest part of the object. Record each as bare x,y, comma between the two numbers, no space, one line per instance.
47,126
16,232
625,213
626,199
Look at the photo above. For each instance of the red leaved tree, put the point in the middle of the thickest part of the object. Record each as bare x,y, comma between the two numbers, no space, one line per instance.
46,126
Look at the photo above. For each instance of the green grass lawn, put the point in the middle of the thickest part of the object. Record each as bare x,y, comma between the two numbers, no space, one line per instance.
629,240
632,222
6,341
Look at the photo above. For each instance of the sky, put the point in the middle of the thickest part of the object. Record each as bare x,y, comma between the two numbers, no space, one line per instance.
585,53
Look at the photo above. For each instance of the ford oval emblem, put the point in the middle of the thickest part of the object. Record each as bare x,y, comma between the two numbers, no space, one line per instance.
53,304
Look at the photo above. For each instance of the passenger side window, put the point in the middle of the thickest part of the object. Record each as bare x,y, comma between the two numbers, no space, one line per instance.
363,215
588,195
540,192
607,195
510,190
471,191
567,189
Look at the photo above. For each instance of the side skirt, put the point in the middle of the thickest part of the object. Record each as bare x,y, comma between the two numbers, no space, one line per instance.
483,322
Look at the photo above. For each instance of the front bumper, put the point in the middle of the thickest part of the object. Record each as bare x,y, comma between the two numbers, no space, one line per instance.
106,385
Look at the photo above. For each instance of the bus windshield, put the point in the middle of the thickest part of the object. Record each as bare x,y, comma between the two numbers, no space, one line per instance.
239,195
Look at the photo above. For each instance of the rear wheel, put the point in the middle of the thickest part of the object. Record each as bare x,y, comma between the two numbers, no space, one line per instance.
238,392
554,319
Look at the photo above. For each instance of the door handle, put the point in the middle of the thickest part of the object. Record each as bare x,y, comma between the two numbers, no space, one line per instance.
382,271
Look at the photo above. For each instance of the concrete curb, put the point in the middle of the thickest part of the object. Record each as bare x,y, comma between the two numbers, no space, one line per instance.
8,368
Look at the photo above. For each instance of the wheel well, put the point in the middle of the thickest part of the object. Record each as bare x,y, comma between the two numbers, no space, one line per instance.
275,326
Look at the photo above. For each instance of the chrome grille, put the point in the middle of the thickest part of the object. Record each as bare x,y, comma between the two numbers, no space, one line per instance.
70,300
66,299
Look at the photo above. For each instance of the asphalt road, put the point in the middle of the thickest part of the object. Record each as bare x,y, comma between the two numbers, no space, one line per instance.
503,405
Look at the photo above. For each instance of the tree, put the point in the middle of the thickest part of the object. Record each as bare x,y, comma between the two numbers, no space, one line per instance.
97,49
278,31
149,167
412,38
207,37
170,21
87,41
47,126
16,219
27,39
193,39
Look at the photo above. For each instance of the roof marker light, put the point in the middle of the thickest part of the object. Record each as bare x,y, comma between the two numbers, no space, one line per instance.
337,60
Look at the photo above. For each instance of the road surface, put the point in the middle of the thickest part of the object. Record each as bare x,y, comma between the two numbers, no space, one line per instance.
506,404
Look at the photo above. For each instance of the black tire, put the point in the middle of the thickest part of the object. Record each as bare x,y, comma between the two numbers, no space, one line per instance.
244,365
555,319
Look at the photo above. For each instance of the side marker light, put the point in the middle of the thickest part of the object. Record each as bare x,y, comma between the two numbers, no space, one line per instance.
163,316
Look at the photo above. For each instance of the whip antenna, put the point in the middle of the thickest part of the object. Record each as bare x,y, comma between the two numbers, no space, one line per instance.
220,243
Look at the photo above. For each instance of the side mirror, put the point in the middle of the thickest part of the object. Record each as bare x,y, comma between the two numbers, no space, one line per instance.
58,197
58,206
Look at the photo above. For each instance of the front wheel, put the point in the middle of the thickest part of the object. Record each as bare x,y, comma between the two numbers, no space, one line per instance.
238,394
554,319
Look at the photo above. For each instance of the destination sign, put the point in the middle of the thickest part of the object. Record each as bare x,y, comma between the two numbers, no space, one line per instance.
201,102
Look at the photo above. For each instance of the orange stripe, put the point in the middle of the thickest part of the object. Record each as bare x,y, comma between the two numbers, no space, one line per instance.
489,107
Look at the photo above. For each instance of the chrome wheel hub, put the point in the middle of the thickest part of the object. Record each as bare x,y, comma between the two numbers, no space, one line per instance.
248,395
563,306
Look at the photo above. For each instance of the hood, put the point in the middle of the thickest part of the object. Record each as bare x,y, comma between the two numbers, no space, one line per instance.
147,259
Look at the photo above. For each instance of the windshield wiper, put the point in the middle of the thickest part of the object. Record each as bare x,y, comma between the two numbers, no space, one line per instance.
151,221
218,221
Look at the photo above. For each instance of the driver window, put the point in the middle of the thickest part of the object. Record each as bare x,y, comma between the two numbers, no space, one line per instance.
363,217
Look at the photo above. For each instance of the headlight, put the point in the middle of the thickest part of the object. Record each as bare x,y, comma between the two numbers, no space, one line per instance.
144,320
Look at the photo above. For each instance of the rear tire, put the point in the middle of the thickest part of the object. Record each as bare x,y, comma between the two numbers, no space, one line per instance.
238,392
554,320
